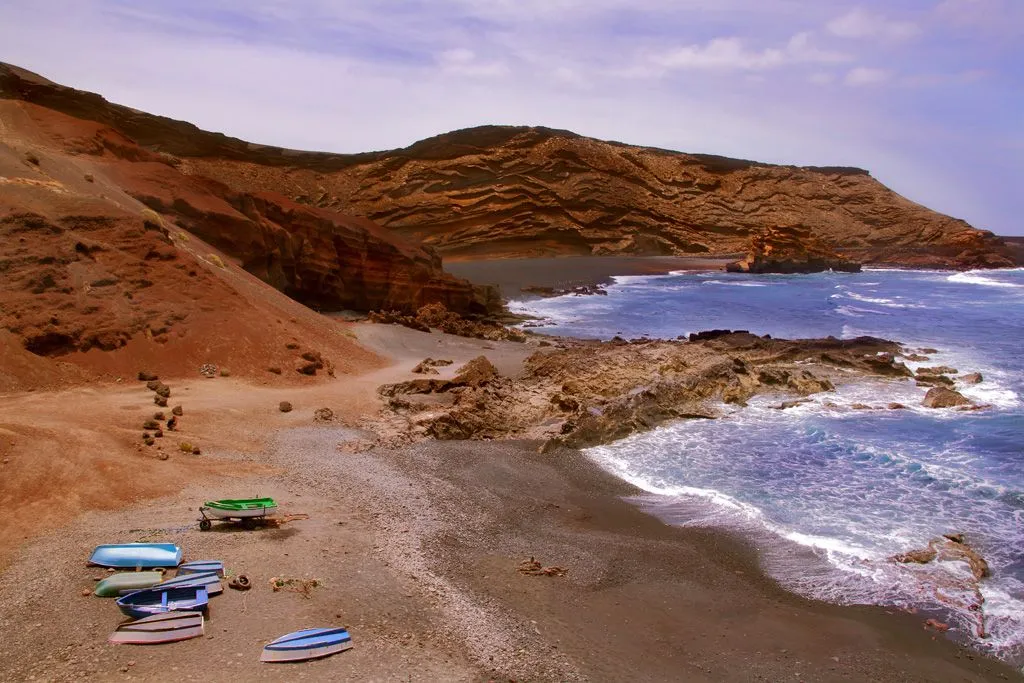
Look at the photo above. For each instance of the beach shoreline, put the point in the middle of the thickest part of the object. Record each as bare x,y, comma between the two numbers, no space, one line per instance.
512,276
418,550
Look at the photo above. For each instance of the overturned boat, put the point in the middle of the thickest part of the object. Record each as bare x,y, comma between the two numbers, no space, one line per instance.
311,643
159,628
135,555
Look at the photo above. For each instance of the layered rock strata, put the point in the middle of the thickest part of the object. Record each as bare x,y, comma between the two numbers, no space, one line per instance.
498,191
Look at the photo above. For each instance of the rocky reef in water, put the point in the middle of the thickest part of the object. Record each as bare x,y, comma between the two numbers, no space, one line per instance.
589,393
792,249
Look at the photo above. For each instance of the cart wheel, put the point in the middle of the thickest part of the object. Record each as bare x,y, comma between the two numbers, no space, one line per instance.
204,525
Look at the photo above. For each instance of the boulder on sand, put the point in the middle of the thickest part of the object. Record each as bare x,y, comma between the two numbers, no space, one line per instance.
940,397
476,372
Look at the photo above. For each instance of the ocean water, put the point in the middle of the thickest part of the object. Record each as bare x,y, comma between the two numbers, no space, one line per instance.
829,492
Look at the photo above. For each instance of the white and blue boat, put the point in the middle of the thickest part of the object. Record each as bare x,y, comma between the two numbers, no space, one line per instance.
135,555
201,567
151,601
208,580
311,643
169,627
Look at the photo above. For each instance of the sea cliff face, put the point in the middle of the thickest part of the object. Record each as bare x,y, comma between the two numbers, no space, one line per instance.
524,192
88,151
500,191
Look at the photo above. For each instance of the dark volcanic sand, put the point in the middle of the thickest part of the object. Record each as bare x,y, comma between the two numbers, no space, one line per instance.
643,600
511,275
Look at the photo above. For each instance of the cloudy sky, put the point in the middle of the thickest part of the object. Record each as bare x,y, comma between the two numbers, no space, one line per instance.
927,94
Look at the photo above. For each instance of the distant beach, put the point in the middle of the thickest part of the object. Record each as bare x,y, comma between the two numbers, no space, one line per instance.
513,275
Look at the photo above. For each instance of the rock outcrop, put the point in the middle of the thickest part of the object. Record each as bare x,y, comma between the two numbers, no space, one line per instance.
940,397
791,250
517,191
593,392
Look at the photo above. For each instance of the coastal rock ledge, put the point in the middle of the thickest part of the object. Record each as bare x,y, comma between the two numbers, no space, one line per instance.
791,249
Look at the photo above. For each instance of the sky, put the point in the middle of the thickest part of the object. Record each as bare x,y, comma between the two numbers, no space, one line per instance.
926,94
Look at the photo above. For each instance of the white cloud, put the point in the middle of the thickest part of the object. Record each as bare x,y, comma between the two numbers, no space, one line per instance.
464,62
860,23
732,54
863,75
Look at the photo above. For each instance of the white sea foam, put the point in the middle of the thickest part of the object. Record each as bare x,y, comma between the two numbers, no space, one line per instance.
975,277
734,284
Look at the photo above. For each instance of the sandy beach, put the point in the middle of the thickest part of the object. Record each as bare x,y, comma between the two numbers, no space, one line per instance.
415,551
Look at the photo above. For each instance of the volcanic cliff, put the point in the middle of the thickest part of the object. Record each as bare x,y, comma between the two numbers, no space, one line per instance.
109,247
500,191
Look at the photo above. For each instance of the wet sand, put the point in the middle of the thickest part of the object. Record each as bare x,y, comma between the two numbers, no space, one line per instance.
417,550
512,275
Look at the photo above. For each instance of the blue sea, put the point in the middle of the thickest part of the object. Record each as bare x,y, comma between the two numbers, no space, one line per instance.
828,492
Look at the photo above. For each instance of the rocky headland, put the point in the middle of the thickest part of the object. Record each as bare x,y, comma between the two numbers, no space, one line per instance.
791,249
502,191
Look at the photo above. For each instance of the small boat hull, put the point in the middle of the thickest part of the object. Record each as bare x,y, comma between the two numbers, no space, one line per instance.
242,508
132,555
201,567
116,584
159,628
144,603
209,580
311,643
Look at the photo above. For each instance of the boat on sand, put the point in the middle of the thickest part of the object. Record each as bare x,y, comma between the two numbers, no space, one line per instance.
240,508
158,601
209,580
116,584
136,555
159,628
311,643
201,567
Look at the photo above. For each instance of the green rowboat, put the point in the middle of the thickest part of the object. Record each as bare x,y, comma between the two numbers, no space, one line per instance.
240,508
113,585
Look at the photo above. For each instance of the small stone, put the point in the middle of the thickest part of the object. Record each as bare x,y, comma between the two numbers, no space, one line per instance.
162,456
176,410
86,592
284,407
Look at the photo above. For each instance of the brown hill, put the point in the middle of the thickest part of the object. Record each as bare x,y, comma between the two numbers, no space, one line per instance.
512,192
498,191
114,260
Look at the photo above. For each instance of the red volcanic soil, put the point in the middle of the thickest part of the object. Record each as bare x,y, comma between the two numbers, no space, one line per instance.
95,285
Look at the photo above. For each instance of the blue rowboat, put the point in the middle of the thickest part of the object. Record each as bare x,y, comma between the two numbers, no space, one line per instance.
159,628
201,567
209,580
137,555
151,601
310,643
